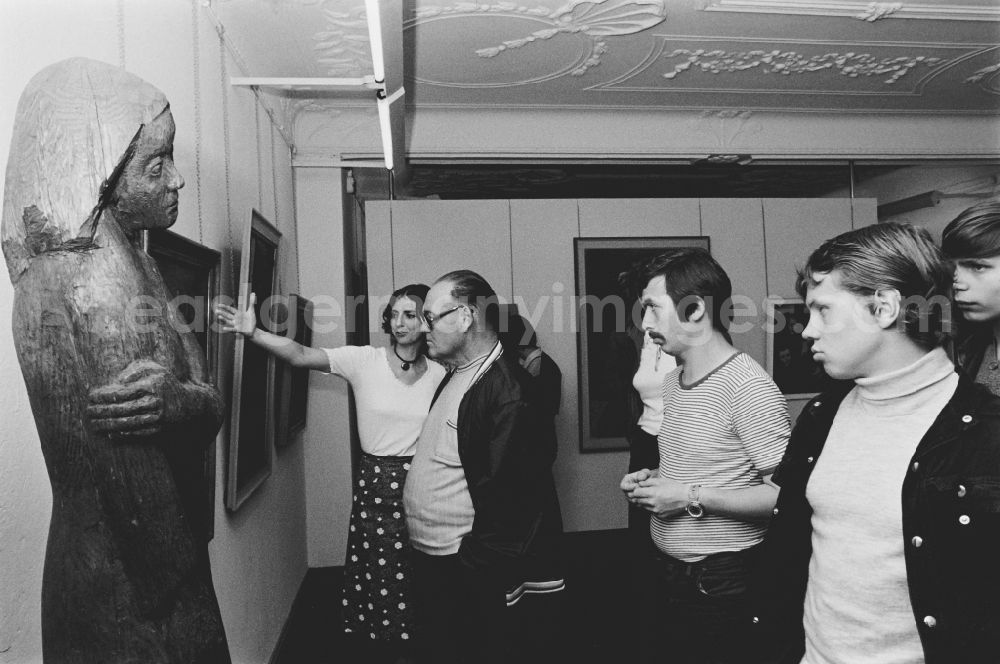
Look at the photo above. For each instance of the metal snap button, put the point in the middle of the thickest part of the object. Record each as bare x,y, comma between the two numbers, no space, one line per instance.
917,541
966,418
775,511
930,621
964,519
961,491
916,465
810,459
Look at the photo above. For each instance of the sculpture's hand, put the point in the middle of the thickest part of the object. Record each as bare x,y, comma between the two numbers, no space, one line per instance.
142,401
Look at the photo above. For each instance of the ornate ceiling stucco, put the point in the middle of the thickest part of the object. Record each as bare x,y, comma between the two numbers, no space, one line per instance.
640,56
617,52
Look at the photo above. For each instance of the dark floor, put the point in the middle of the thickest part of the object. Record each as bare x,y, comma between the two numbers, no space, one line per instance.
595,623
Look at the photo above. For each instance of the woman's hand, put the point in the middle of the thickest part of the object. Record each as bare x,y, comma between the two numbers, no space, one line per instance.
232,320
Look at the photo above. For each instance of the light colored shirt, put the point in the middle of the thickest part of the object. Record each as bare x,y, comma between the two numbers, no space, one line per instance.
654,365
725,431
857,606
438,506
390,412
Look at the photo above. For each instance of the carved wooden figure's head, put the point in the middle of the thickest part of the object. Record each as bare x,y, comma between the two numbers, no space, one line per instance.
78,133
146,194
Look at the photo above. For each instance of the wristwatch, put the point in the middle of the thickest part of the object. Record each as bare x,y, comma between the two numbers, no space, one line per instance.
694,508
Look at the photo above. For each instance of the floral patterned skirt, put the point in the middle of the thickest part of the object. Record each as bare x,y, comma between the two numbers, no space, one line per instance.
377,574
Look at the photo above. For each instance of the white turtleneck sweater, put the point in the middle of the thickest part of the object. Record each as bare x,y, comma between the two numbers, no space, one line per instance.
857,606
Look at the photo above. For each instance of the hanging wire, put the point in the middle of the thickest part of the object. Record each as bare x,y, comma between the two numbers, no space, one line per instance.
120,15
224,83
197,115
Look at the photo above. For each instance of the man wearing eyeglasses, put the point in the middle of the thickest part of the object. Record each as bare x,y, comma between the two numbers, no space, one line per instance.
480,500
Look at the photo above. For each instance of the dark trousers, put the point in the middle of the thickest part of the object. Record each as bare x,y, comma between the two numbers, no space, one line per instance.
462,617
459,612
643,452
702,612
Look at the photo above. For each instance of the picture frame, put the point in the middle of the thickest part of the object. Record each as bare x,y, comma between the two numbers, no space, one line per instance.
789,356
293,383
191,273
609,334
253,416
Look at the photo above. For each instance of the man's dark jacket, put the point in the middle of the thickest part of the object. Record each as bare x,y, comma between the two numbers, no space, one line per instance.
507,449
951,532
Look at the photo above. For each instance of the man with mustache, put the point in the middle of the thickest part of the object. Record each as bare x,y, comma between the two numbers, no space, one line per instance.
724,430
884,541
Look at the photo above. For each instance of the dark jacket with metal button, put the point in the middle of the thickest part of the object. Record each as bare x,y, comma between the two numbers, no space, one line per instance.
951,532
507,445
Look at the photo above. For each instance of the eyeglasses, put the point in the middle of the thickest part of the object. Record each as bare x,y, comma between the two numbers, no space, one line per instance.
432,319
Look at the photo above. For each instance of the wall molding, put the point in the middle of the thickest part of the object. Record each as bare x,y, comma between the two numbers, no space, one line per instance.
864,11
541,134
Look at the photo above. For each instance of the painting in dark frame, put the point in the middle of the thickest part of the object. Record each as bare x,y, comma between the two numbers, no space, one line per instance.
191,273
254,398
609,335
789,355
293,383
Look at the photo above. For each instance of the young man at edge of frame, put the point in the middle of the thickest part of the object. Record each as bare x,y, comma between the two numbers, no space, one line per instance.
884,539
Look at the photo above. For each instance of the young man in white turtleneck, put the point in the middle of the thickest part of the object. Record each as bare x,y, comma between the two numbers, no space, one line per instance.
884,541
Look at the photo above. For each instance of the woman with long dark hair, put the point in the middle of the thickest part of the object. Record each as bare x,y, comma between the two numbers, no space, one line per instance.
393,388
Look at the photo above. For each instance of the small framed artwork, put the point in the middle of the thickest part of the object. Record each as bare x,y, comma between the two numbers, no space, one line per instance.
789,356
608,337
253,418
191,273
293,384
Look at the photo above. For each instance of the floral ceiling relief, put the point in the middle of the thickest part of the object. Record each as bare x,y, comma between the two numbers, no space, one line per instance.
987,78
595,19
786,63
878,10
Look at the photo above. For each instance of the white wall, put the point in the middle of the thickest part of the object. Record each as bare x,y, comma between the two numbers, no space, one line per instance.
259,553
319,198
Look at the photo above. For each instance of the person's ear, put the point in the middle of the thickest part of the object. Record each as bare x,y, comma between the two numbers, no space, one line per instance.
886,304
694,309
468,315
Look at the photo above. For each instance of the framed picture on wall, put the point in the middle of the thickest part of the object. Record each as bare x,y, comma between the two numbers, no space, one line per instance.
789,356
191,273
293,384
253,418
609,335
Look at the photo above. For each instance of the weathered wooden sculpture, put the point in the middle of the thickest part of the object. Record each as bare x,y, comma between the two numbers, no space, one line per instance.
117,391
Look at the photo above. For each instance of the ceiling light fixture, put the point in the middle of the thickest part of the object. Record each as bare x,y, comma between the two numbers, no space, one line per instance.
927,199
375,37
385,122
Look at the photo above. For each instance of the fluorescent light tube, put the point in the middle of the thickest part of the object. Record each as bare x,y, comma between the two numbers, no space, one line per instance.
375,37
